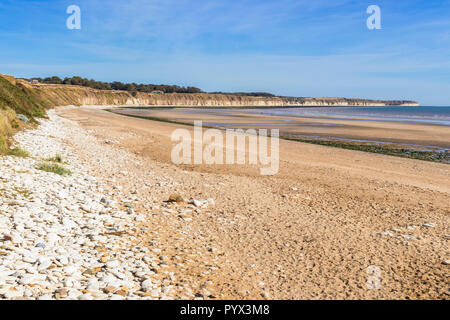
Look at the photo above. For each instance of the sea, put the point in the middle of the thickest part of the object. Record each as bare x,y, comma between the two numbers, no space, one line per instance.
422,114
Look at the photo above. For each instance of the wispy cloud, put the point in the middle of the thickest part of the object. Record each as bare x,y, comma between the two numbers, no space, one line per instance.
290,47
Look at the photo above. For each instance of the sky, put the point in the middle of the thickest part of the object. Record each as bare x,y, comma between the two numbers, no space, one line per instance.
307,48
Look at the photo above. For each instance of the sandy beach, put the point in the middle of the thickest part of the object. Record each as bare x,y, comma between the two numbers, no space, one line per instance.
225,158
310,126
309,232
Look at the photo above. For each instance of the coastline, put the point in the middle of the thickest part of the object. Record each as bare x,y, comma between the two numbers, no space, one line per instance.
59,94
225,159
263,238
411,140
288,229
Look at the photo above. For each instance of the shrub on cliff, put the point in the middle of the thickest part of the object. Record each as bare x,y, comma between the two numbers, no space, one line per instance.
21,99
16,98
116,85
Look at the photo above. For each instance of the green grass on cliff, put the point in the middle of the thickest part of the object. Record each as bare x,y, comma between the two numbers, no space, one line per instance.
21,99
17,99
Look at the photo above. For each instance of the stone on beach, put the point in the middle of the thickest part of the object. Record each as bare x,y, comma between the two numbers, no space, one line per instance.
53,235
175,198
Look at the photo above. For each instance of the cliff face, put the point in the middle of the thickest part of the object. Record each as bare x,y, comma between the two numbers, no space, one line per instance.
20,97
16,98
76,95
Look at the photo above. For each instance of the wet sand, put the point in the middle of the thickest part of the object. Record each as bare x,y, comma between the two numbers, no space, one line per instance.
311,126
312,230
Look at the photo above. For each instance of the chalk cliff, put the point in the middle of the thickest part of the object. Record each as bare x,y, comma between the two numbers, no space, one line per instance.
18,96
77,95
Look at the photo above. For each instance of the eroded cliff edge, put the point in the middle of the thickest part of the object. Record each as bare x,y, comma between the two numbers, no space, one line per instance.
18,96
78,95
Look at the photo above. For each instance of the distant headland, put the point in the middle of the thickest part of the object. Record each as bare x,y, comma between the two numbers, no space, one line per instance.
82,91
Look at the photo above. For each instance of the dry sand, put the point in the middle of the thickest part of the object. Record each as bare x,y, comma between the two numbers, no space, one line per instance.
309,232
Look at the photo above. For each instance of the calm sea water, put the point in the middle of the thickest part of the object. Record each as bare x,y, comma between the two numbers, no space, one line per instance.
423,114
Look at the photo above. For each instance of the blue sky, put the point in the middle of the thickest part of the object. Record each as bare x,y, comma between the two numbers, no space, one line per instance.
287,47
